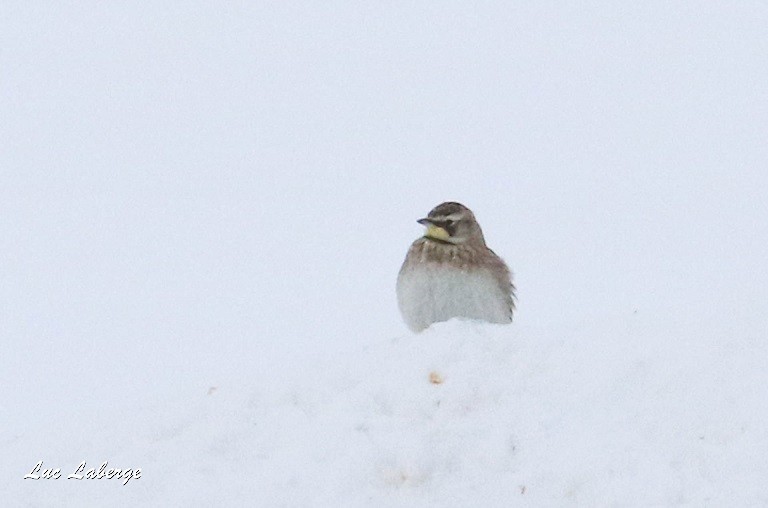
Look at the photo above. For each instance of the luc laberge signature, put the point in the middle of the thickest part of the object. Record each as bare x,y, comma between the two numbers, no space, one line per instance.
102,473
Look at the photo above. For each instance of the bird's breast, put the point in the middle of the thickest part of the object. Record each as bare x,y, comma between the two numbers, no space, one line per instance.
434,292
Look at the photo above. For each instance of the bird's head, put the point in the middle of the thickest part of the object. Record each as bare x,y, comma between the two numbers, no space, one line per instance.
452,223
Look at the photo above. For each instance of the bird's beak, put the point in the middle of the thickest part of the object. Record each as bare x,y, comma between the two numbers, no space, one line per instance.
433,231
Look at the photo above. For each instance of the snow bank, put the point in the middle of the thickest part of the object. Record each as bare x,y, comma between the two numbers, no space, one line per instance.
463,414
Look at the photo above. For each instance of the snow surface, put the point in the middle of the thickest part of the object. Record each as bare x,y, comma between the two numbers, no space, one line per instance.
203,209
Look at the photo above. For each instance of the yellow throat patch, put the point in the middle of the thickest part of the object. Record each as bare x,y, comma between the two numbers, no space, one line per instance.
437,233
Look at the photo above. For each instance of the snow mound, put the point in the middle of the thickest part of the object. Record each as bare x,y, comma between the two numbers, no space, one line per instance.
464,414
476,414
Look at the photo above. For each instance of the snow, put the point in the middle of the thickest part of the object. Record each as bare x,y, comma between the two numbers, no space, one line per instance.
462,414
203,209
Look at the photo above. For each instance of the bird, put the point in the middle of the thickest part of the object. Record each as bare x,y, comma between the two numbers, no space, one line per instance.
450,272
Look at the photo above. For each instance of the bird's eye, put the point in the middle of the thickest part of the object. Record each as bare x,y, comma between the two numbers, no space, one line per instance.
449,223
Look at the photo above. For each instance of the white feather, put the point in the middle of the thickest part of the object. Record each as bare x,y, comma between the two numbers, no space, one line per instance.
428,293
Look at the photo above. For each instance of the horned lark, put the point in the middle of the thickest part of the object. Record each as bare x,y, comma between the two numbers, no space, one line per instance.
450,272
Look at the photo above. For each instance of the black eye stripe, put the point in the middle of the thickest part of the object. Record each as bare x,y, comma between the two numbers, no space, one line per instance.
448,225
